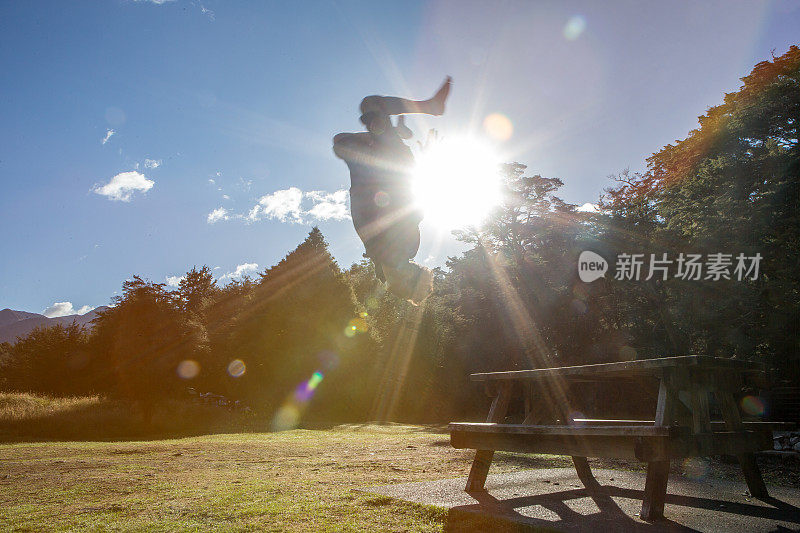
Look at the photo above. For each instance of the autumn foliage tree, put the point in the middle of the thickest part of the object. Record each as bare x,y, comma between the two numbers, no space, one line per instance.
731,186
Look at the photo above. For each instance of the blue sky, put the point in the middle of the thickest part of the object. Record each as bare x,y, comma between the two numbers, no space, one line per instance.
217,106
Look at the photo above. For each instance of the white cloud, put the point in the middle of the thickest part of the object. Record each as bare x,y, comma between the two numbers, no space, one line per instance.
295,206
283,205
124,185
328,206
245,269
217,214
588,208
152,163
156,2
226,197
65,309
109,133
174,281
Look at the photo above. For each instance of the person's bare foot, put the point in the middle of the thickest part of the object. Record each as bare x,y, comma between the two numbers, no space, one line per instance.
436,104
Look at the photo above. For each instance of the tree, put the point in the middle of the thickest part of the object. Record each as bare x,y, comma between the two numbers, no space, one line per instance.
196,290
294,325
50,360
733,186
146,347
520,274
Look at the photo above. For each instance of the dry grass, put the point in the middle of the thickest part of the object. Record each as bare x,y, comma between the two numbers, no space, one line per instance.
16,407
25,417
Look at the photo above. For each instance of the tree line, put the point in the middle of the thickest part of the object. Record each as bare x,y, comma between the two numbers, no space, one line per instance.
308,340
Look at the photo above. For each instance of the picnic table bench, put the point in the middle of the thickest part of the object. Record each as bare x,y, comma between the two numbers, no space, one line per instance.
681,427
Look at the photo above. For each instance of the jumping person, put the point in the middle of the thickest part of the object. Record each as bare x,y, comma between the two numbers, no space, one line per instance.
381,202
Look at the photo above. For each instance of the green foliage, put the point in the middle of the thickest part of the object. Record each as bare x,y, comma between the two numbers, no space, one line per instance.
731,186
52,360
139,343
196,290
292,325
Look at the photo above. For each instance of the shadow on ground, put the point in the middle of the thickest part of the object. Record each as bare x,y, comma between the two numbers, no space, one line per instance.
610,518
555,500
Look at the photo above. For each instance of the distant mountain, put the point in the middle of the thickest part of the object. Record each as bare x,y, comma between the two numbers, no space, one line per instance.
7,316
15,324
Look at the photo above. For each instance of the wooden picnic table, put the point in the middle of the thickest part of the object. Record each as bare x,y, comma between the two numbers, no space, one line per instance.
681,427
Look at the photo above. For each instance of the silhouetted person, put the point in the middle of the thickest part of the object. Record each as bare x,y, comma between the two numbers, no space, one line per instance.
381,201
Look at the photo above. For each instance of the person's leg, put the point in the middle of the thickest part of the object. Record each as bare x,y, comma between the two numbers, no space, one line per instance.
393,105
409,281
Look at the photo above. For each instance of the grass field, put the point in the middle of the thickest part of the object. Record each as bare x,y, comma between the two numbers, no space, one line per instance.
300,480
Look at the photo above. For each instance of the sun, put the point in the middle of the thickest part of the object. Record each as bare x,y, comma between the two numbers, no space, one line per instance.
456,182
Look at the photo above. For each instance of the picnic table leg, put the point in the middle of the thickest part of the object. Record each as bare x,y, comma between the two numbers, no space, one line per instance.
655,491
701,418
655,485
733,421
581,463
483,458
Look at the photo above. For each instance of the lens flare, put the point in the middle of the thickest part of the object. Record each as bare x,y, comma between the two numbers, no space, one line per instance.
305,391
237,368
355,326
381,199
328,360
696,468
580,292
579,306
574,27
498,126
578,418
627,353
287,417
302,393
753,405
188,369
456,182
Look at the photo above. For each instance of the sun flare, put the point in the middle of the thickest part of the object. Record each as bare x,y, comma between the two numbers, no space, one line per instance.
457,182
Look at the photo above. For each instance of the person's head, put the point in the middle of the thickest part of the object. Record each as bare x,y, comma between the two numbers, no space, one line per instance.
376,122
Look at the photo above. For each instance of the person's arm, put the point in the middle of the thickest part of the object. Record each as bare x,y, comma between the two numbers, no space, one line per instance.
346,145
